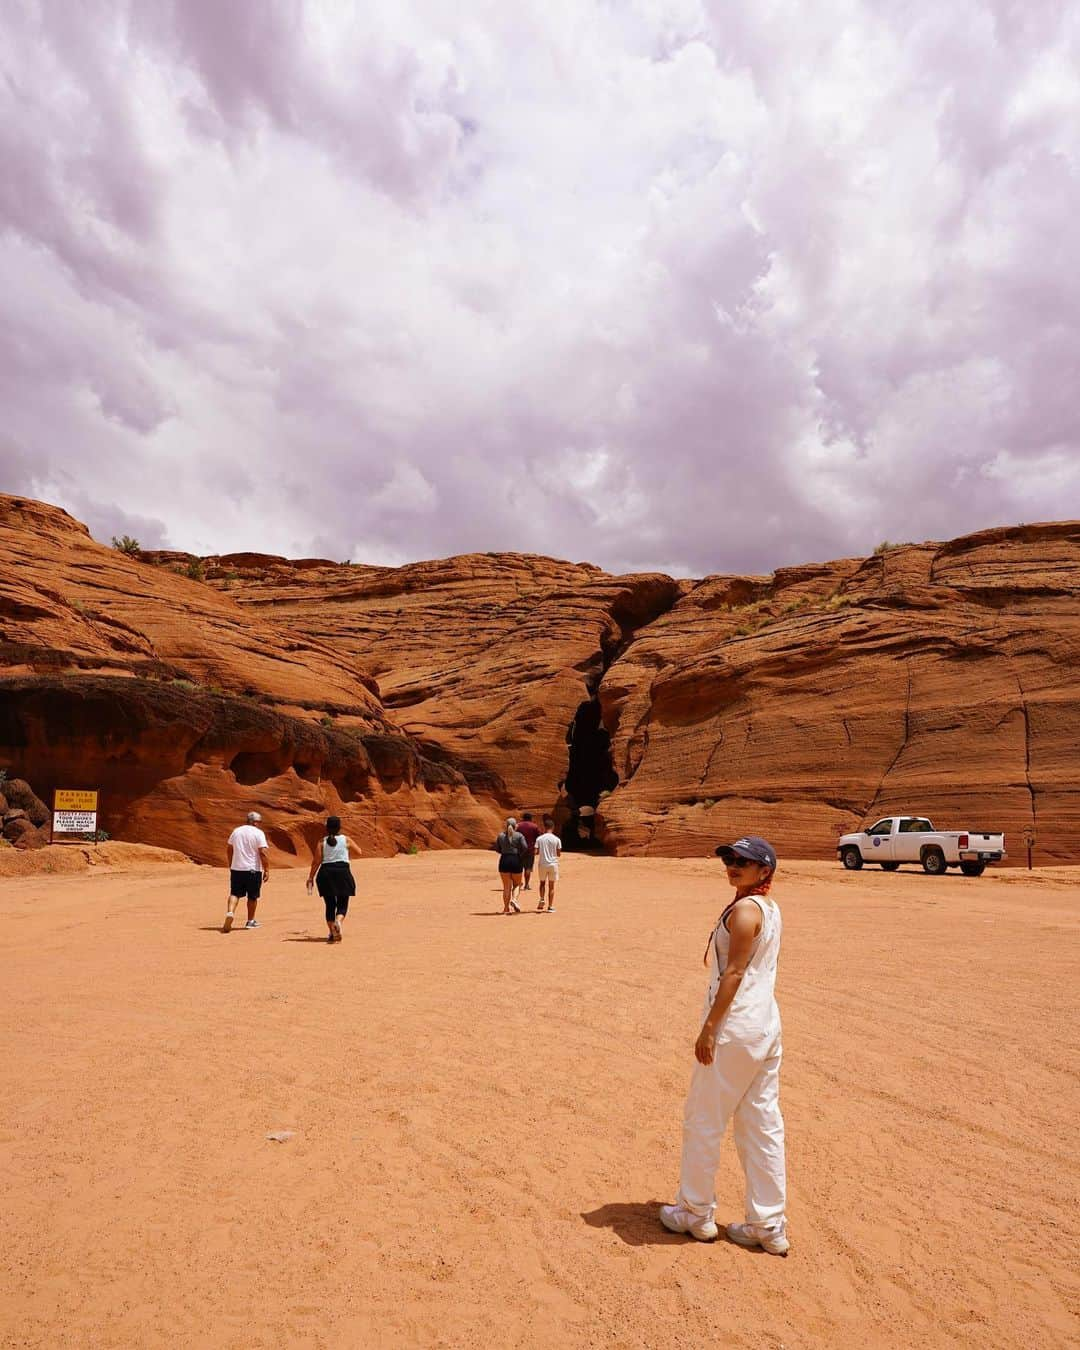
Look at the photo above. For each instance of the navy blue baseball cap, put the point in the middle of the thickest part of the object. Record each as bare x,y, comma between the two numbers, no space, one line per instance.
751,847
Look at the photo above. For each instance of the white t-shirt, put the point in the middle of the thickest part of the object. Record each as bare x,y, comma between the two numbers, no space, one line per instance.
548,848
246,841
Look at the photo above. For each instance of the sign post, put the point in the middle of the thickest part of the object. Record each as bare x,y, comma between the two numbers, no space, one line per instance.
74,815
1029,841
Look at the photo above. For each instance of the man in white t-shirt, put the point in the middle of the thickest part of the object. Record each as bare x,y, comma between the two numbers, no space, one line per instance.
249,867
548,848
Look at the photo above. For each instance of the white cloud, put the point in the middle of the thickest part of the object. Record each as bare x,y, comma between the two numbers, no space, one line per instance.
587,280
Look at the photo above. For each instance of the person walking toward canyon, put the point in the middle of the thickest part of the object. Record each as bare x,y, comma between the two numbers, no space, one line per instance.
511,848
548,849
737,1073
249,868
330,870
530,831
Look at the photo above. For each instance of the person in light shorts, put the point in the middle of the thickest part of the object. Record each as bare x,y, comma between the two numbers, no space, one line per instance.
548,848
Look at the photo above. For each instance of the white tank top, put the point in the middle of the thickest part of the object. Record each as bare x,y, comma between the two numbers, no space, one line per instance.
753,1014
338,852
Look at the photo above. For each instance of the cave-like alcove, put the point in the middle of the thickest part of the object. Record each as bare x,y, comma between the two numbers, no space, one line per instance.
589,772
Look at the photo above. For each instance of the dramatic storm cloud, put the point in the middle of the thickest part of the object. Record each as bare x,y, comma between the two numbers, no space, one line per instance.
653,283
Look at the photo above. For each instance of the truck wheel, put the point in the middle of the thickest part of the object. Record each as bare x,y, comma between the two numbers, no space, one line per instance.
852,859
933,862
890,867
972,869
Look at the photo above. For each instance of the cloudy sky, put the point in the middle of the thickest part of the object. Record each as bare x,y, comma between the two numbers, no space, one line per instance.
697,285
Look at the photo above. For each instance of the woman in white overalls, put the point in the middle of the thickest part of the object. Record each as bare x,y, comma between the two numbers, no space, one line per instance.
737,1074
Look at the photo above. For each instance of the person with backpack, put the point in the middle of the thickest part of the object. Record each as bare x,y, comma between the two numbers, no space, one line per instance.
330,870
531,832
512,850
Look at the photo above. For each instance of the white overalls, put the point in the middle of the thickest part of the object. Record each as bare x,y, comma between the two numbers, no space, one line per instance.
742,1081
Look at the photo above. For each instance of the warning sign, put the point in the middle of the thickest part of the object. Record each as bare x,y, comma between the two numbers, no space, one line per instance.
68,799
74,813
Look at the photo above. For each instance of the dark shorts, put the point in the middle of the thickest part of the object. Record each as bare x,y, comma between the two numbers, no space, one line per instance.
510,862
246,885
530,862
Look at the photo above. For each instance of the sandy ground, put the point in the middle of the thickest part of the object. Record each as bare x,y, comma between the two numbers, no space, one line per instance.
487,1111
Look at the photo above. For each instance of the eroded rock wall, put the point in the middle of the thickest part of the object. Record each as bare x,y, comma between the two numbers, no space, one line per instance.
932,679
423,702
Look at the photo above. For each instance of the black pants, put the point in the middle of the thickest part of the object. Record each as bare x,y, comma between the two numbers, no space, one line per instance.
336,905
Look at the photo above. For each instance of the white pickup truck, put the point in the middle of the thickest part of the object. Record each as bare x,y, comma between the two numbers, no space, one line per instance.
900,839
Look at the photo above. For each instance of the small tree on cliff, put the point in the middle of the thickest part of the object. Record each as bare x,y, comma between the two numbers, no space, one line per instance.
127,545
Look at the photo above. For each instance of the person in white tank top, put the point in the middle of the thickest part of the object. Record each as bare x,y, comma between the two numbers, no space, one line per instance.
330,871
737,1074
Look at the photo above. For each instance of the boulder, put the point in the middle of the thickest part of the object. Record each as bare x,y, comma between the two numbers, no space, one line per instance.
24,834
19,793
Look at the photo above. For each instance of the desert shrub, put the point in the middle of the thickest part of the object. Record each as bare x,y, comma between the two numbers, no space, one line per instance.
838,601
3,775
101,836
195,570
125,544
184,684
413,848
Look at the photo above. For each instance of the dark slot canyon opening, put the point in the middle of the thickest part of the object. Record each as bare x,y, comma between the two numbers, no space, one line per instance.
590,771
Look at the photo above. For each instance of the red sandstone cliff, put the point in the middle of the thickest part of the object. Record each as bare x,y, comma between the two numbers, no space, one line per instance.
938,679
186,709
933,678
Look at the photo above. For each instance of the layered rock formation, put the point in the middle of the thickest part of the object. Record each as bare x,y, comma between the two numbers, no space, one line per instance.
932,679
186,709
422,702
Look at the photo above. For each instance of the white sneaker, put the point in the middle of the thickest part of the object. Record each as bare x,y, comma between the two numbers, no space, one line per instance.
746,1235
678,1220
253,923
227,924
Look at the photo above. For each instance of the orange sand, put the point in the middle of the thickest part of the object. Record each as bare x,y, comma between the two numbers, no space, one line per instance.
487,1112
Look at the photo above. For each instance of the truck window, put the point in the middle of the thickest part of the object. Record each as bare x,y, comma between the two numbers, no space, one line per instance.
923,826
882,827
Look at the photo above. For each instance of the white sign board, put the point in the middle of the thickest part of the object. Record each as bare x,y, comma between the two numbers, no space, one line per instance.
74,822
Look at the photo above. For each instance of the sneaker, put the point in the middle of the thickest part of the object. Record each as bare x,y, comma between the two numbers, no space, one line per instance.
253,923
678,1220
551,909
227,924
336,931
746,1235
515,906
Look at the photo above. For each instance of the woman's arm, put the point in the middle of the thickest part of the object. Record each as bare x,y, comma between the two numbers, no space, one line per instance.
316,861
744,924
355,851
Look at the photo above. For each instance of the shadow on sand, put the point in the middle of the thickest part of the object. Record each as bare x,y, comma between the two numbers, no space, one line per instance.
636,1225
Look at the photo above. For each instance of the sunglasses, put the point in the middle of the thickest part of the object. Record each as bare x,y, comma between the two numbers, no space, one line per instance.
733,860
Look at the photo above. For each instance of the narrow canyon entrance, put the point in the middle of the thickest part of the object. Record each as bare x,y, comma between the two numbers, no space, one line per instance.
590,771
